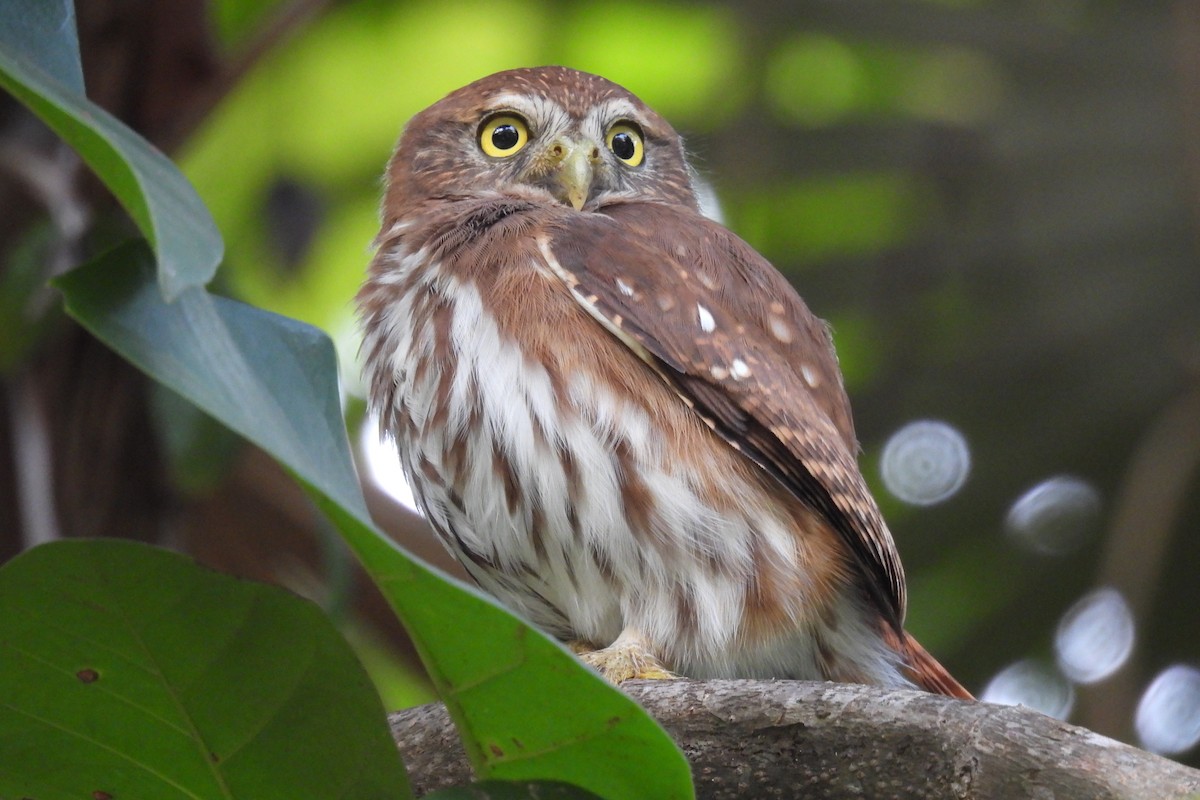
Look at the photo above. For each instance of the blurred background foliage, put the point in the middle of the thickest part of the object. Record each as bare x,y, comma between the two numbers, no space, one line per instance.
994,202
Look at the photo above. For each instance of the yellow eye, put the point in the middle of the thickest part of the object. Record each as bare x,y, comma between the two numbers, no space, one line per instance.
625,141
503,135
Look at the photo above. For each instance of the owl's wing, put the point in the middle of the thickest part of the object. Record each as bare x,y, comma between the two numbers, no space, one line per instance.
733,338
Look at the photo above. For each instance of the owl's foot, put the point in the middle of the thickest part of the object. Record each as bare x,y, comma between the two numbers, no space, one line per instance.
628,658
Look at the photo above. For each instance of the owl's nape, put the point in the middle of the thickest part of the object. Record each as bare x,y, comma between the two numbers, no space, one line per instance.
622,421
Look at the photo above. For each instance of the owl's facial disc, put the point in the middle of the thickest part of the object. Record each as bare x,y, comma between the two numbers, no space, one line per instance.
576,158
574,167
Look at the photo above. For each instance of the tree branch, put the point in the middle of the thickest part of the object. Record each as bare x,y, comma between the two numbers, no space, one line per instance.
751,739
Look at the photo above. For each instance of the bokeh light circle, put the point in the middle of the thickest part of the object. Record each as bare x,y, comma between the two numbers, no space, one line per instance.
1095,636
1034,685
1055,517
1168,715
925,462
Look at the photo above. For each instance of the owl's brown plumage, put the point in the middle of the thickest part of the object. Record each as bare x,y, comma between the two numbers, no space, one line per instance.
623,421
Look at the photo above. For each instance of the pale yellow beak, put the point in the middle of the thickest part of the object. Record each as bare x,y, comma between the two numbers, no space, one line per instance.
574,170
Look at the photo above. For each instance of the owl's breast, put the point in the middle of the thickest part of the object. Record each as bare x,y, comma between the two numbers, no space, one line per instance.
568,478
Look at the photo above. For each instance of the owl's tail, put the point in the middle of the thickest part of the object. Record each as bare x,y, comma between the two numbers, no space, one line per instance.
925,671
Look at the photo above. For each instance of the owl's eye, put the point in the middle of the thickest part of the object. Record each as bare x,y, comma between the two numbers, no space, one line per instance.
503,135
625,141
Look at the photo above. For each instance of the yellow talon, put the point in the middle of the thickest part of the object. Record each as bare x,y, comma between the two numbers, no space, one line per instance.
628,658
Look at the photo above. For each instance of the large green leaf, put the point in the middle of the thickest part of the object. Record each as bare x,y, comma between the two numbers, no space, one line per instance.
42,33
525,706
130,672
36,67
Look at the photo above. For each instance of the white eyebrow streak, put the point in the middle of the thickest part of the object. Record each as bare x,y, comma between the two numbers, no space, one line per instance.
541,112
514,101
599,118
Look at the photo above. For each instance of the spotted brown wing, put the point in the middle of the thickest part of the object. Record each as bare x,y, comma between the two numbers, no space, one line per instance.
737,343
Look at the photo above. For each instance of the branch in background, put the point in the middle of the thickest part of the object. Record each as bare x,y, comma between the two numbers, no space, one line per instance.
750,739
1146,513
1186,30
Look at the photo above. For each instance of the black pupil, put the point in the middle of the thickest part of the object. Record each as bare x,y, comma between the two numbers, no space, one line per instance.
505,137
624,146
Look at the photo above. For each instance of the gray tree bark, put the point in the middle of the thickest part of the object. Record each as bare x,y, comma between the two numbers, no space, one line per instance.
791,739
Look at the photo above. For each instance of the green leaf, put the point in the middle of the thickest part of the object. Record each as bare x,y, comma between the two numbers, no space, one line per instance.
199,450
527,709
157,196
267,377
507,790
131,672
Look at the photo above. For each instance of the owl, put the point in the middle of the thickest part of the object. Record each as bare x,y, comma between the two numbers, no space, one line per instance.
621,419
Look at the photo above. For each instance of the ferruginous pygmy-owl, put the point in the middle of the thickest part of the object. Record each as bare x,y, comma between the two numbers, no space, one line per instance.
621,419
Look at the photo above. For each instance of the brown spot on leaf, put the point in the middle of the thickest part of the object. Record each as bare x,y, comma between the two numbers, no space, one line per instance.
87,675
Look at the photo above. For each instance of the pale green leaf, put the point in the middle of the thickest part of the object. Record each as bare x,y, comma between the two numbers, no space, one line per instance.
39,73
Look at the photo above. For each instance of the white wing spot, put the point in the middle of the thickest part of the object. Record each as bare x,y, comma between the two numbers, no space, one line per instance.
739,369
707,323
625,288
810,377
589,302
780,329
718,372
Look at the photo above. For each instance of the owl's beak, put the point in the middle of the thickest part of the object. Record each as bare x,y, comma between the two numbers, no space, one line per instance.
573,171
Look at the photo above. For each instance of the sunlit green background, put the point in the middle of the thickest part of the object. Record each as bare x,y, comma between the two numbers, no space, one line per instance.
993,203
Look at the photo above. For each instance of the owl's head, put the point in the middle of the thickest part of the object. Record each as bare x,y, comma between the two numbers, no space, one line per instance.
547,134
